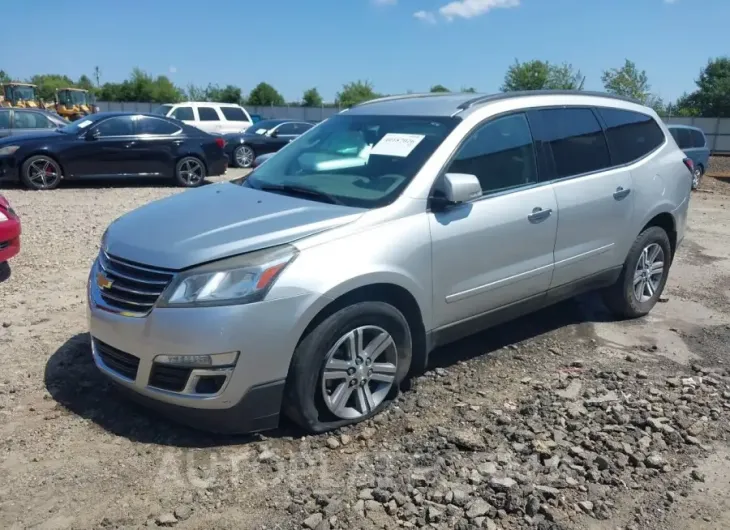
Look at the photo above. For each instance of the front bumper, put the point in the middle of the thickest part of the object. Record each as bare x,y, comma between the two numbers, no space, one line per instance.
9,239
265,334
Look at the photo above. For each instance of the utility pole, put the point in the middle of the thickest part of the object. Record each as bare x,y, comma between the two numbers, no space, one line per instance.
97,76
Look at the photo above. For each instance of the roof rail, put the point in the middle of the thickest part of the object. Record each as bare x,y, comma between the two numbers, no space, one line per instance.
523,93
404,96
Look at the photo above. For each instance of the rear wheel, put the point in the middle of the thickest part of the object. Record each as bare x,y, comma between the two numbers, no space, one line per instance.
697,176
190,172
244,156
349,367
643,276
40,173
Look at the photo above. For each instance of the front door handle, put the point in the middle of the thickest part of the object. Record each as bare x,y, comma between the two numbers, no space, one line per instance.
130,144
621,193
538,214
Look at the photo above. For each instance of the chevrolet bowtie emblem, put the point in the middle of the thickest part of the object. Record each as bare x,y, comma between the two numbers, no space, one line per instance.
102,281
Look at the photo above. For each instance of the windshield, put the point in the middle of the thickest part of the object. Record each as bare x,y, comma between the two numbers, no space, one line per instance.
73,97
162,110
80,125
262,127
26,93
362,161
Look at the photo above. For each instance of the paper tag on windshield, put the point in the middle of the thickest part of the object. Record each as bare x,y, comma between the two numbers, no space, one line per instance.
84,124
260,131
395,144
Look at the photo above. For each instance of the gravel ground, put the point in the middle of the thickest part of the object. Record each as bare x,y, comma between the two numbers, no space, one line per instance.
561,420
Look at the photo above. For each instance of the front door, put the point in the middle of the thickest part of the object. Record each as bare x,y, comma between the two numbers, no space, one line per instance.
107,154
594,198
498,249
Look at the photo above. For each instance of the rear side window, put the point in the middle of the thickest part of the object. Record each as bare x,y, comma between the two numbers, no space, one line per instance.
147,125
31,120
233,114
208,114
183,114
4,119
631,135
683,137
698,139
162,110
576,141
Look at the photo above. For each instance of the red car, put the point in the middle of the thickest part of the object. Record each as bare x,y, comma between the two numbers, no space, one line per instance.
9,231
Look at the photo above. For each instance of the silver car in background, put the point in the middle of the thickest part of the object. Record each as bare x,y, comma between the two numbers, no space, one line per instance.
315,286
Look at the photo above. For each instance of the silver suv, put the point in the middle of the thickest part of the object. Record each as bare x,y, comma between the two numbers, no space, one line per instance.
315,286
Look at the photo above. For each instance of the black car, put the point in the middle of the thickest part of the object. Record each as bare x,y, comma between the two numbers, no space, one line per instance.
113,144
266,136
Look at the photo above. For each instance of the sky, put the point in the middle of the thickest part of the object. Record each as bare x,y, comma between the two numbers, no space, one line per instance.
397,45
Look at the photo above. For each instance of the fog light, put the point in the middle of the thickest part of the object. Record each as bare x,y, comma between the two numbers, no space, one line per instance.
216,360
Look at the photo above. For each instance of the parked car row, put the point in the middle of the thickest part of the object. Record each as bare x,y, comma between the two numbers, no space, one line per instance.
281,297
265,137
214,118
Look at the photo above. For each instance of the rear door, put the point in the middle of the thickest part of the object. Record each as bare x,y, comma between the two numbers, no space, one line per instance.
700,151
5,122
154,149
208,119
594,200
235,120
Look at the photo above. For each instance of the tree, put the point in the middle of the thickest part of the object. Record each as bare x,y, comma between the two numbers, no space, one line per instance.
356,92
541,75
49,83
311,98
627,81
4,77
196,93
264,95
142,87
439,88
712,97
468,90
227,94
85,83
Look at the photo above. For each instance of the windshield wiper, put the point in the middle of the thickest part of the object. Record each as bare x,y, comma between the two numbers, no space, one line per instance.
294,189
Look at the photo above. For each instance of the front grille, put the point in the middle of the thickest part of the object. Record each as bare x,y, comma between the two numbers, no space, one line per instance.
122,363
168,377
134,288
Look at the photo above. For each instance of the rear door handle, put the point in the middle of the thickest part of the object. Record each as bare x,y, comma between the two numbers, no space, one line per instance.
538,214
621,193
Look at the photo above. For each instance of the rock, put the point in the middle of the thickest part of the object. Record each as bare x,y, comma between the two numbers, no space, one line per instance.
502,484
459,497
381,495
345,439
468,440
548,491
487,469
606,398
697,476
602,462
313,521
630,358
478,508
433,515
586,506
333,443
166,519
183,512
655,461
578,363
533,506
266,456
642,375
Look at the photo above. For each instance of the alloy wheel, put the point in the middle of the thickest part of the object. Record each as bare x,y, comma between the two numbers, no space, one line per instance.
43,173
191,171
649,272
696,176
359,372
244,156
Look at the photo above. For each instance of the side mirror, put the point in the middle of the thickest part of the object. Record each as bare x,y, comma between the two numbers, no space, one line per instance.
274,133
460,187
93,134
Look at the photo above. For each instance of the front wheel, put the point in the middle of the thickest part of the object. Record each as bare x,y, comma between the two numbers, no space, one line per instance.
643,276
189,172
349,367
40,173
244,156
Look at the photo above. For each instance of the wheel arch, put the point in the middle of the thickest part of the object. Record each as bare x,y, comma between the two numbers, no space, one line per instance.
667,222
47,154
193,154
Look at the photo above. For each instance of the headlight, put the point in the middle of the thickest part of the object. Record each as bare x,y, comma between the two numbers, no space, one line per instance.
239,280
8,150
3,217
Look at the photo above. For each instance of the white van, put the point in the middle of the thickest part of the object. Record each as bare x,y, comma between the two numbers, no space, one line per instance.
215,118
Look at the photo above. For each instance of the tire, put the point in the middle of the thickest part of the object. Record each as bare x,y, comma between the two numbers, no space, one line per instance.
699,171
190,172
40,173
244,156
621,298
305,402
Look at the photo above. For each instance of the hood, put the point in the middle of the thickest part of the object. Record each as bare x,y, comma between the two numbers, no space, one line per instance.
23,138
218,221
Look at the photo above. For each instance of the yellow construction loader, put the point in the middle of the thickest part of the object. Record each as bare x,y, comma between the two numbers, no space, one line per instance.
19,95
74,103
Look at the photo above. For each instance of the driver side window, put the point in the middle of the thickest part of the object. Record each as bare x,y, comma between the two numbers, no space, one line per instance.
500,154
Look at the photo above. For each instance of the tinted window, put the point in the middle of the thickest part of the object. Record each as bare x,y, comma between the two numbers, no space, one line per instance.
146,125
631,135
162,110
183,114
207,114
4,119
288,129
698,139
675,134
234,114
119,126
31,120
683,137
576,140
500,153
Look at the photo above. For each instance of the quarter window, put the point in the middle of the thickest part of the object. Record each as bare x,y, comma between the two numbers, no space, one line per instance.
147,125
500,153
683,137
183,114
576,140
31,120
698,139
234,114
631,135
208,114
119,126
